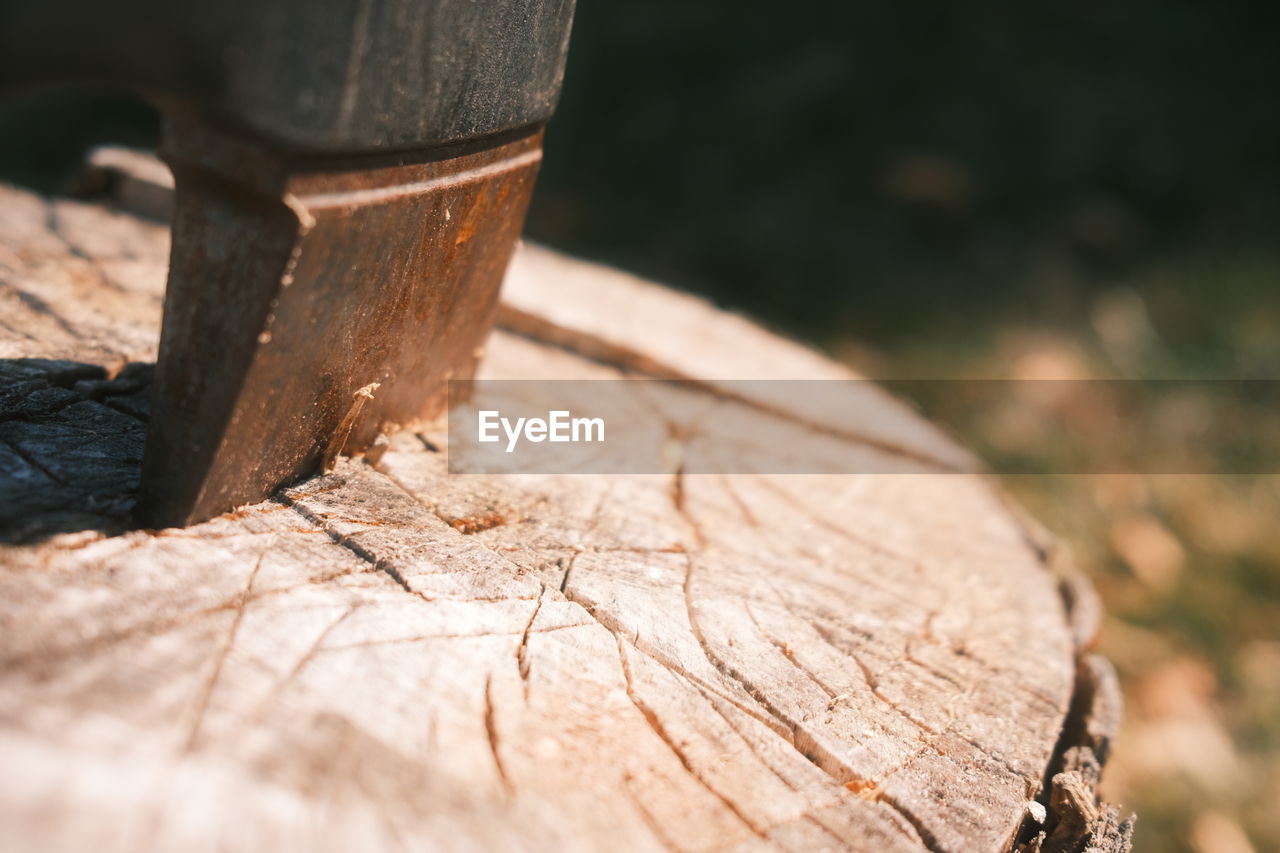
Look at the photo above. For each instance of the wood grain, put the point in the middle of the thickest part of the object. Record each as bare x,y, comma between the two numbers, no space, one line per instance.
391,657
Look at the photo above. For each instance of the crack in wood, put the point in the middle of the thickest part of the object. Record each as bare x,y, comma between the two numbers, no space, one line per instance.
568,569
747,515
156,627
678,501
647,817
462,635
655,723
202,706
602,352
522,651
802,740
317,646
491,734
378,564
927,839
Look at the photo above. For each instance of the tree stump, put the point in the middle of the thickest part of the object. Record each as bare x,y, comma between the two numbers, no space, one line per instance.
390,657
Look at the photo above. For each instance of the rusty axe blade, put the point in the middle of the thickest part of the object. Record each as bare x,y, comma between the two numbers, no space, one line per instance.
320,289
313,305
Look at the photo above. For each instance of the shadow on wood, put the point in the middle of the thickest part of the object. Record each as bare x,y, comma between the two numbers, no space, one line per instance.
71,444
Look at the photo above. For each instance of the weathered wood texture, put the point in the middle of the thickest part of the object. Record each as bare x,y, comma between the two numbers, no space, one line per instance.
389,657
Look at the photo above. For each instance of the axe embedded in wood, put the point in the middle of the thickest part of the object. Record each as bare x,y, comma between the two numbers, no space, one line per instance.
351,178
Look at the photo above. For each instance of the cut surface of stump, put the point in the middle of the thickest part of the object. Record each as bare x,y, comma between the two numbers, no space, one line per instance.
391,657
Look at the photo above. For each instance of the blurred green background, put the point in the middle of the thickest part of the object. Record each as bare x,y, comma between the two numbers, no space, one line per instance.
995,189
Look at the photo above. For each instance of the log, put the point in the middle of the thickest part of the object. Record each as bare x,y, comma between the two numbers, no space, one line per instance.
390,657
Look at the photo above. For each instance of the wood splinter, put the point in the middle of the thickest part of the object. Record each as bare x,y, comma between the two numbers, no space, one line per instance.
339,441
